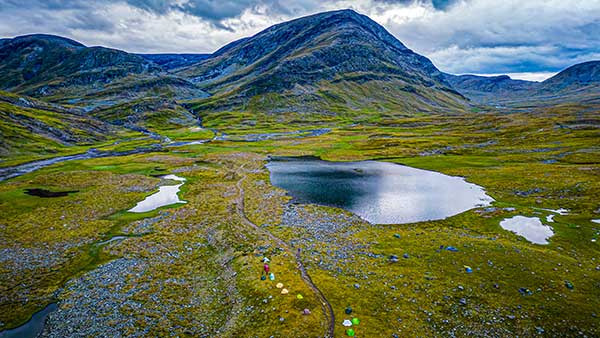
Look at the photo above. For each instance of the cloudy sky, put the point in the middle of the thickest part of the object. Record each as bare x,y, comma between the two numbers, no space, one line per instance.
530,39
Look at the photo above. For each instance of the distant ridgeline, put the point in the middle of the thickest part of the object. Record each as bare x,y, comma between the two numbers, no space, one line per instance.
327,63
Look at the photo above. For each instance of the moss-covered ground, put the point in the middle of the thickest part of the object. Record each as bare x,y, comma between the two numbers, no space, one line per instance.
202,263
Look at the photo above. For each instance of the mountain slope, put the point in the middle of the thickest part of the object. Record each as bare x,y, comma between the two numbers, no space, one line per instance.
579,75
296,59
479,88
172,61
147,114
29,126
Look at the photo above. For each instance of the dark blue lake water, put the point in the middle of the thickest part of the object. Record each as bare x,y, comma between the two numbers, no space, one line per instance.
379,192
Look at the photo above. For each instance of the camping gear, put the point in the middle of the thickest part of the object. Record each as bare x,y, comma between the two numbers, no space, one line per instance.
355,321
347,322
284,291
348,310
306,312
299,296
271,276
279,285
263,277
350,333
451,248
525,292
266,267
569,285
468,269
266,260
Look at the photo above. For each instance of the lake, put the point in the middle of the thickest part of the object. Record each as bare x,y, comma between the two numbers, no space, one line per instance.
379,192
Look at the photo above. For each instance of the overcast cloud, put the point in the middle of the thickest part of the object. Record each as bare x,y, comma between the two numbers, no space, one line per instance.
527,38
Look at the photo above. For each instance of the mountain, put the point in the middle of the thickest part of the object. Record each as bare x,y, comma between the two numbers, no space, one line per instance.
578,83
319,62
42,64
326,63
172,61
67,72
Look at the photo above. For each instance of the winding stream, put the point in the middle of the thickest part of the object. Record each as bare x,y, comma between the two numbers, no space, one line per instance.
33,327
25,168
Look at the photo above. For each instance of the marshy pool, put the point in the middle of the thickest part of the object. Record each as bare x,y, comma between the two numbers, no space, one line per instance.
529,227
166,195
379,192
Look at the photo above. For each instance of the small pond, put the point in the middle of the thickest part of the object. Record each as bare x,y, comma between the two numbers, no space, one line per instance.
379,192
166,195
48,193
529,227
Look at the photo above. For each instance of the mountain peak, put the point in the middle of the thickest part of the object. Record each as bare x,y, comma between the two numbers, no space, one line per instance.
334,42
49,38
330,20
339,48
584,73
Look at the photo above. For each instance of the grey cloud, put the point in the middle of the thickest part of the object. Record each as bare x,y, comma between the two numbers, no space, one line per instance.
437,4
509,36
217,10
157,6
211,10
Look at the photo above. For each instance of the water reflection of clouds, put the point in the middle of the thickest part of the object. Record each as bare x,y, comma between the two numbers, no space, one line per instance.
379,192
529,227
166,195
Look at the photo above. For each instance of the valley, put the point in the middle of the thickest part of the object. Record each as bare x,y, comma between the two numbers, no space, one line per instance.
330,87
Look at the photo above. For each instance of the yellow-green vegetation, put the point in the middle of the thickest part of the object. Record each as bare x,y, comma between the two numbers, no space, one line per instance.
153,114
33,130
198,265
